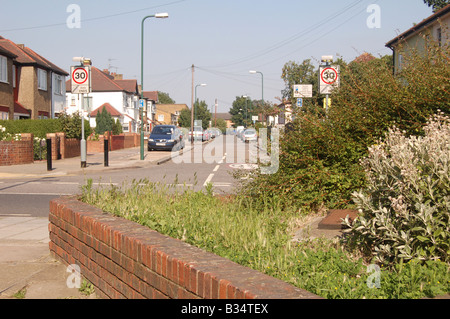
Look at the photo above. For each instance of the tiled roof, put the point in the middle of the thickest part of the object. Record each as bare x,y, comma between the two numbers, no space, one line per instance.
130,86
151,95
26,56
109,108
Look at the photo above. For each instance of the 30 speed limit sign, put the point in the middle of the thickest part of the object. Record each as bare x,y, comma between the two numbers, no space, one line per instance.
328,79
81,79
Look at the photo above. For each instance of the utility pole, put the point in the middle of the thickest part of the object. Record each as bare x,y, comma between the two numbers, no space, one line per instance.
192,107
215,116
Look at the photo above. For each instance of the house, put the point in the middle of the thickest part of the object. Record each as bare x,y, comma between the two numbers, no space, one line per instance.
116,115
435,26
32,86
108,89
169,113
224,116
150,107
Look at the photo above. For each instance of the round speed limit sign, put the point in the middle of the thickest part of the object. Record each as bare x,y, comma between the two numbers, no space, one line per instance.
329,76
80,76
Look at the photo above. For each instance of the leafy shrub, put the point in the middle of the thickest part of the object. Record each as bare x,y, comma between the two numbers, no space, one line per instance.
405,206
71,125
39,128
319,157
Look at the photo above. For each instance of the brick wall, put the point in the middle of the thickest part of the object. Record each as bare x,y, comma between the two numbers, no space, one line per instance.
17,152
125,260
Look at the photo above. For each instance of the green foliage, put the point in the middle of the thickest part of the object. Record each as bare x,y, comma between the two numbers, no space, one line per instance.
117,128
259,237
185,118
320,157
104,122
164,98
436,4
71,125
39,128
405,206
242,111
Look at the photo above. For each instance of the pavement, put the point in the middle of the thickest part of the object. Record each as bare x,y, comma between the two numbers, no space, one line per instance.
29,271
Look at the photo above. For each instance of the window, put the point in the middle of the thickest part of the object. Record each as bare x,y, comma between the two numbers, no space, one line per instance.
42,80
439,36
58,85
3,69
4,116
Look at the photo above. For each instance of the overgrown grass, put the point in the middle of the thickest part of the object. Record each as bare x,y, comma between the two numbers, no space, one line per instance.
261,238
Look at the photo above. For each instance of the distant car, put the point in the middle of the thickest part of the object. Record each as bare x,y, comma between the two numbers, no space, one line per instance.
166,137
198,133
249,135
206,135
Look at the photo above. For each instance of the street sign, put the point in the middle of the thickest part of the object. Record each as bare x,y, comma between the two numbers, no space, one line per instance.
141,104
303,91
300,102
329,78
255,118
81,79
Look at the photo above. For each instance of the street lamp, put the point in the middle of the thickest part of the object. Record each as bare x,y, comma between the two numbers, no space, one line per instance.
262,79
195,108
158,16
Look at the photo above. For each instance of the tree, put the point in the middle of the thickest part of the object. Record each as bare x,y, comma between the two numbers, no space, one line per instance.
436,4
104,122
71,125
242,111
185,118
164,98
202,113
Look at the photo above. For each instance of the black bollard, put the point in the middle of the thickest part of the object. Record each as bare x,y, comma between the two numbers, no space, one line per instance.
106,150
49,154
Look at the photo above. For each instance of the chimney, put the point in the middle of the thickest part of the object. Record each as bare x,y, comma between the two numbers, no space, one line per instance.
22,46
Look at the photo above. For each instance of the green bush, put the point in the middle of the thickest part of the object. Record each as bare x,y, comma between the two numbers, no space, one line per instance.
39,128
319,158
405,206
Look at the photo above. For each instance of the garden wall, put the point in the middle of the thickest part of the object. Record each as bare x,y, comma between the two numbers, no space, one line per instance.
17,152
117,142
123,259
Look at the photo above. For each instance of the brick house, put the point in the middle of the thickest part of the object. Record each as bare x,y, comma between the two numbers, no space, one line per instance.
169,113
34,83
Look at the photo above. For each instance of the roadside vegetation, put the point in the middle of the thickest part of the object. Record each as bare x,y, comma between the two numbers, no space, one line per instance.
383,149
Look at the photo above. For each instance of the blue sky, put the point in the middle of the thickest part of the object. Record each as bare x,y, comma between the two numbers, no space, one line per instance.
223,39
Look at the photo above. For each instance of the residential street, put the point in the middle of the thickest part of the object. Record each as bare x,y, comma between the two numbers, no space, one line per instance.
30,196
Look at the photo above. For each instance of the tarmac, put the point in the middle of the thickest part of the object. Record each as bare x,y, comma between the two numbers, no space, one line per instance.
27,268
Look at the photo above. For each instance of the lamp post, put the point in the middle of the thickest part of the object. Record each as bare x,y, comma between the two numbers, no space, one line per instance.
195,108
158,16
262,79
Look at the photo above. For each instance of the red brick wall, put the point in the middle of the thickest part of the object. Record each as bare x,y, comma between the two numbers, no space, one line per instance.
17,152
125,260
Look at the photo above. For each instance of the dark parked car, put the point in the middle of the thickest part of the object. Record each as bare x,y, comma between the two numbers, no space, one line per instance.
166,137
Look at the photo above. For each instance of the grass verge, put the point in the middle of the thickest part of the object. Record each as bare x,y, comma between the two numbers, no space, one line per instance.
260,237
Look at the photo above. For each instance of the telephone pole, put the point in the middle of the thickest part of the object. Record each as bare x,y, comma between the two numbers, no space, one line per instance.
192,106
